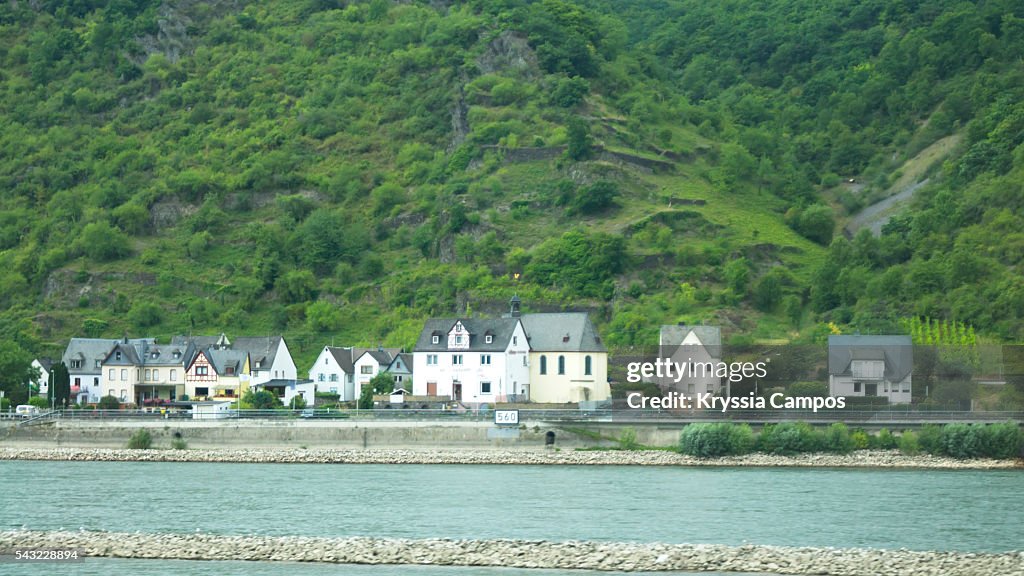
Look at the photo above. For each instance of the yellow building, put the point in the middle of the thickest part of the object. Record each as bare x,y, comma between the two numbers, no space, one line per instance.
568,362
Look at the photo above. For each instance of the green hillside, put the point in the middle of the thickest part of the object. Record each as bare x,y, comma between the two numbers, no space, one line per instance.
339,171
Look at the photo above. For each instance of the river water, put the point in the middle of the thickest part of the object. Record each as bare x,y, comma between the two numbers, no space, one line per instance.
916,509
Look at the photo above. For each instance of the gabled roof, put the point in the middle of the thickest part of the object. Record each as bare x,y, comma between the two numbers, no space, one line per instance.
89,350
224,359
896,351
675,334
405,359
261,349
343,356
561,332
501,328
383,356
46,363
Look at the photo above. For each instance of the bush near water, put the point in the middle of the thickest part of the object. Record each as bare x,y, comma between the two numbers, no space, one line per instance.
1001,441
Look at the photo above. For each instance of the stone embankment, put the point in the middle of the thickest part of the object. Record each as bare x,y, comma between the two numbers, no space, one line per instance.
585,555
859,459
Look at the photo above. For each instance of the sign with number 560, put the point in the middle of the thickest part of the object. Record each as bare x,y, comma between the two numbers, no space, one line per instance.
506,416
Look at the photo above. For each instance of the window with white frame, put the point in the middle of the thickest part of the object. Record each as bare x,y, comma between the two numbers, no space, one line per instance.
489,339
435,339
366,369
485,359
124,374
431,359
156,373
174,375
110,374
456,359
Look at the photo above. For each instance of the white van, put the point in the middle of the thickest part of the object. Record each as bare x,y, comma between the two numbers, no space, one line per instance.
26,410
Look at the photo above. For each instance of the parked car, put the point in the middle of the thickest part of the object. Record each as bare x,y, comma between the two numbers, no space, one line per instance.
27,411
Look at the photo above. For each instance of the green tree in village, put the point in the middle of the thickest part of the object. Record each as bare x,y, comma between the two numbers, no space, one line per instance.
382,383
59,392
17,374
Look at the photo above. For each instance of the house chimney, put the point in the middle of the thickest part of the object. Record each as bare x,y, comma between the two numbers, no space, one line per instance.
514,306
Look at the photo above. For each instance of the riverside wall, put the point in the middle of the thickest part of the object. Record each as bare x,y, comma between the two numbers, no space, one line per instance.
215,434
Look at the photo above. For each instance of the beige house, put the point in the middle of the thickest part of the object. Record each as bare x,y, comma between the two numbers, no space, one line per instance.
142,372
568,362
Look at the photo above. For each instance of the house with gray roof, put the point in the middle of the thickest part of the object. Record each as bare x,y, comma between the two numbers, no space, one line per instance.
371,362
871,366
84,358
699,350
342,370
142,372
400,369
332,371
269,356
217,373
472,360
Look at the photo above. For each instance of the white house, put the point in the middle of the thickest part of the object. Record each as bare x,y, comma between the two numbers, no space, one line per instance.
871,366
332,372
696,347
44,366
472,360
338,369
370,363
269,359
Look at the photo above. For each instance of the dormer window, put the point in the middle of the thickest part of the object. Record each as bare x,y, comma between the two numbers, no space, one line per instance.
117,355
98,363
489,339
154,355
458,339
177,354
435,339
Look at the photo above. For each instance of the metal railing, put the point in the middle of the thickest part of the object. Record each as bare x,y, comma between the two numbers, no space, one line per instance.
905,416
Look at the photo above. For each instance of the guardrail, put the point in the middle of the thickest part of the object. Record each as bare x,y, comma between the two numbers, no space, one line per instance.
903,416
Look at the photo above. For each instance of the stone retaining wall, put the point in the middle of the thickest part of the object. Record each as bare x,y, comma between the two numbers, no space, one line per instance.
605,556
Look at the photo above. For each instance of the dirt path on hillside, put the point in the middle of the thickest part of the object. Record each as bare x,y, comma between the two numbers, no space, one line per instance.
877,215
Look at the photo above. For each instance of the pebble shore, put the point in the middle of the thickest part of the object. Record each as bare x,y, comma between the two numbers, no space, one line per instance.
859,459
586,555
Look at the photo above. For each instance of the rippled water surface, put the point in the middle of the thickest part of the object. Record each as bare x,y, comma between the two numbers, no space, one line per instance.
927,510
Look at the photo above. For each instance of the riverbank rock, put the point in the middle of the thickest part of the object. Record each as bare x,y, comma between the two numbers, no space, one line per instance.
859,459
584,555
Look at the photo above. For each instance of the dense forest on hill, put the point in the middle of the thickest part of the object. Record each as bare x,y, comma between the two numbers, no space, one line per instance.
340,171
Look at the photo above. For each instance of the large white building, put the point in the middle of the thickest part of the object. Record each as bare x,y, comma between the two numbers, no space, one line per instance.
547,357
472,360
